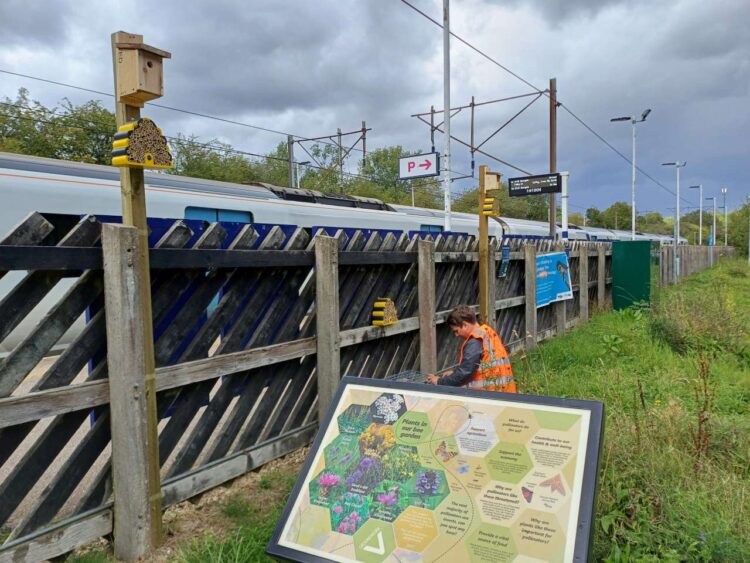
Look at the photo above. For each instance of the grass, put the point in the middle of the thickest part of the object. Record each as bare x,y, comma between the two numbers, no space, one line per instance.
254,519
675,380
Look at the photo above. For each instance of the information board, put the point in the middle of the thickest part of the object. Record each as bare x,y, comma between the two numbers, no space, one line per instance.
553,281
419,166
535,185
410,472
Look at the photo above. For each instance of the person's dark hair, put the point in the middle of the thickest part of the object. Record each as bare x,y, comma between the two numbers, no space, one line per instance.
462,314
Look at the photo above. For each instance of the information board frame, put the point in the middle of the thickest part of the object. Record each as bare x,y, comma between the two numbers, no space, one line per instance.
584,524
534,185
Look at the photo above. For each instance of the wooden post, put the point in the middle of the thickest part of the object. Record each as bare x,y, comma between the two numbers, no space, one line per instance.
132,442
327,320
488,183
583,284
132,187
529,256
491,286
601,261
426,296
560,308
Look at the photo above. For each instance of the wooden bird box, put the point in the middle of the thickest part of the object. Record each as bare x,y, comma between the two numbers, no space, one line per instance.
140,73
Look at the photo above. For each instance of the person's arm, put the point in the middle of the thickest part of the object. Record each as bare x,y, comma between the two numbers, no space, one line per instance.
470,363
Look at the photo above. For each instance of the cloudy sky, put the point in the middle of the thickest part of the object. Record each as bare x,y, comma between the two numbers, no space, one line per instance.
309,67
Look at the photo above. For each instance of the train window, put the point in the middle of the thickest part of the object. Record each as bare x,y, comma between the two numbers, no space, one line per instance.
431,229
213,215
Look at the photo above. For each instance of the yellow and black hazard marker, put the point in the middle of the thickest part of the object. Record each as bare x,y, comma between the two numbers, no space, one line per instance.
488,206
384,312
141,144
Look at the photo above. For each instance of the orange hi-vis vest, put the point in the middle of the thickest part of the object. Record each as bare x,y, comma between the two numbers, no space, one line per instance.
494,372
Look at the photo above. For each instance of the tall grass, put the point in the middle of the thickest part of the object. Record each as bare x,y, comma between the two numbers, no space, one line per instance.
675,465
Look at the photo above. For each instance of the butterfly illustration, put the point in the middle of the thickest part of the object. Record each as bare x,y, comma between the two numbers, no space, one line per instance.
442,451
554,484
528,494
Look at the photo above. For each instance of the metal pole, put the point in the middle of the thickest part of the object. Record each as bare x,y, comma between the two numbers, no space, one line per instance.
341,162
677,229
411,185
552,151
726,216
296,174
290,150
432,127
632,190
447,113
364,144
700,216
564,204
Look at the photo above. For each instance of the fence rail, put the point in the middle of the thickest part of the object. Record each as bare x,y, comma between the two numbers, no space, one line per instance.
251,334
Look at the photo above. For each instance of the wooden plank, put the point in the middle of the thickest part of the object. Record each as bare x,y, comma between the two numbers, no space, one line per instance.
455,257
426,292
27,354
560,307
530,328
509,302
133,520
491,286
186,486
62,537
327,321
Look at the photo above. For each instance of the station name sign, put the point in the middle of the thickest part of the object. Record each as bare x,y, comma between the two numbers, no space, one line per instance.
419,166
535,185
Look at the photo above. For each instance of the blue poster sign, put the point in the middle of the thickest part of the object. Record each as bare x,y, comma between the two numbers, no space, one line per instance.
553,279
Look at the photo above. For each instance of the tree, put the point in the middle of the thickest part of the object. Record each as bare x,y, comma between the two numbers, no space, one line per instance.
212,161
594,217
617,216
738,228
576,218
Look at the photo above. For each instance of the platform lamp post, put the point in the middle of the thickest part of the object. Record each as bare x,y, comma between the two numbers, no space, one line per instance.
726,215
700,212
634,120
713,228
677,164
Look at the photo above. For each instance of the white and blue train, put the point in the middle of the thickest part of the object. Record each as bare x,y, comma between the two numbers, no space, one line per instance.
30,184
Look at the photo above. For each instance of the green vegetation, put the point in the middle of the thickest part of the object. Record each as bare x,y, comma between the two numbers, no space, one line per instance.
254,518
675,379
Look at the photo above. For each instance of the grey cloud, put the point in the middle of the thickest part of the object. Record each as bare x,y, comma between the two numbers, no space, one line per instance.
32,23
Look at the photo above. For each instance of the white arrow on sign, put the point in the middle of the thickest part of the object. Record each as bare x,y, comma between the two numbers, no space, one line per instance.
419,166
380,550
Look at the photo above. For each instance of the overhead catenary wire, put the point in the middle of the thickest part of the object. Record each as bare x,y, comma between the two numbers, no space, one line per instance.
540,91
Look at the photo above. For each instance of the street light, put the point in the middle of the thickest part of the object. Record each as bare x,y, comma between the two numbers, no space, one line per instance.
713,229
726,223
700,212
677,164
633,120
297,165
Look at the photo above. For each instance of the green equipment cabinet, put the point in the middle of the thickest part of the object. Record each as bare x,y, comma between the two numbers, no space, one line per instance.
635,272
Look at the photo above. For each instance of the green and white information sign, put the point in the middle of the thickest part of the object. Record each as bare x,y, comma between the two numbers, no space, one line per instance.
406,472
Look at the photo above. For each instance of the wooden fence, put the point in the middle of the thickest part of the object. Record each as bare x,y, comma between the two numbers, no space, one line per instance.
693,259
250,322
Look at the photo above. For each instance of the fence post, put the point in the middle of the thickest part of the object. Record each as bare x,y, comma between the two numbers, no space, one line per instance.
560,307
327,321
583,284
426,296
601,270
491,285
134,522
529,257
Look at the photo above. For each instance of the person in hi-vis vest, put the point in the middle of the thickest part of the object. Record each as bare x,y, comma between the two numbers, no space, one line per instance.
483,362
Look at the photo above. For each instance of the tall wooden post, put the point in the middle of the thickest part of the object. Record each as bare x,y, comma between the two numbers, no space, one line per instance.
488,183
327,321
552,151
529,257
426,296
491,286
132,187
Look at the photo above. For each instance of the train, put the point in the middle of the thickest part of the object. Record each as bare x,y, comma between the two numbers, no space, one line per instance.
30,183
